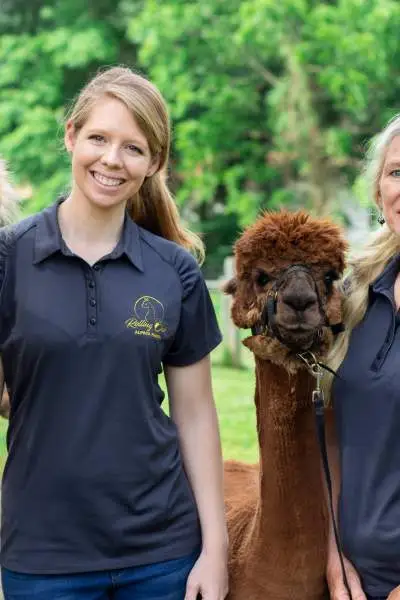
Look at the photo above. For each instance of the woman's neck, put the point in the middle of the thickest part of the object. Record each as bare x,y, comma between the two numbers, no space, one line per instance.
90,231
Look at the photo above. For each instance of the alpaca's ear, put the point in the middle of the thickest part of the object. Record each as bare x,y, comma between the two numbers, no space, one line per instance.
230,287
241,306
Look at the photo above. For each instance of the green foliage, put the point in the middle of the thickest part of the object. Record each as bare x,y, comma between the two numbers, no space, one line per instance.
219,233
44,65
271,101
214,98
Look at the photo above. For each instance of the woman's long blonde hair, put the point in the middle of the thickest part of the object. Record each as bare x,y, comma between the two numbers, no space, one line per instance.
153,207
366,265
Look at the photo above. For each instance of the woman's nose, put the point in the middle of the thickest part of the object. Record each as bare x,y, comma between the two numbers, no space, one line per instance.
111,157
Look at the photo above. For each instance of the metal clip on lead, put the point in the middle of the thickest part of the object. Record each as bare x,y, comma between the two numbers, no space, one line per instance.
316,371
317,394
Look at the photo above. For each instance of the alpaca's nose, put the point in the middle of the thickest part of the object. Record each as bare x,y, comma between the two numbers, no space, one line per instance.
300,302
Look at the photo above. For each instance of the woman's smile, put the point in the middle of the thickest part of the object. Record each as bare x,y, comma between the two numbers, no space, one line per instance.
107,180
111,157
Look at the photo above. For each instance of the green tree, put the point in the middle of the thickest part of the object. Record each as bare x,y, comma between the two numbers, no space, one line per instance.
272,100
52,51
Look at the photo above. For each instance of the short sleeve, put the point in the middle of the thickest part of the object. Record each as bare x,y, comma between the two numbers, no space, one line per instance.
198,332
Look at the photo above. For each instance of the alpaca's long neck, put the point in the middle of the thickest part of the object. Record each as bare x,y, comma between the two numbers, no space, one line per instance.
291,509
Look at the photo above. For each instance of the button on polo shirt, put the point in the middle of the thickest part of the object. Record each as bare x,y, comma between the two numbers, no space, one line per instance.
367,406
94,477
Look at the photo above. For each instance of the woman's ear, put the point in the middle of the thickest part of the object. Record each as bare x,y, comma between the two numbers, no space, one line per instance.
69,136
378,198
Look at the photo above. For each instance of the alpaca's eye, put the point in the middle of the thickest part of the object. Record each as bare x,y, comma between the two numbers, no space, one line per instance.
262,279
330,277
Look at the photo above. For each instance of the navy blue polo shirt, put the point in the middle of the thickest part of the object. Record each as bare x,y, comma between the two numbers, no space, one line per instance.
94,478
367,407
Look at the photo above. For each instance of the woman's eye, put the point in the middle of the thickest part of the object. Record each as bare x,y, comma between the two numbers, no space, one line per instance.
96,138
262,279
134,149
395,173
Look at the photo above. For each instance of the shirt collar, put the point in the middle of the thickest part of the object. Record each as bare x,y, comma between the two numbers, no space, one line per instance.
130,244
385,281
49,240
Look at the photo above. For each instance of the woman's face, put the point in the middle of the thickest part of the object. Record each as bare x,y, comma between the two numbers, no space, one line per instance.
110,155
389,186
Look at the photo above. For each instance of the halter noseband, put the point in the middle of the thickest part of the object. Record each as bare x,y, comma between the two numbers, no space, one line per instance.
267,324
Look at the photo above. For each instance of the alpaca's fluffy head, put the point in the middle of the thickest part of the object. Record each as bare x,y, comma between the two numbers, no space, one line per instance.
306,300
8,198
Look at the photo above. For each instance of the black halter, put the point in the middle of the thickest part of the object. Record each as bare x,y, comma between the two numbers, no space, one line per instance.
267,323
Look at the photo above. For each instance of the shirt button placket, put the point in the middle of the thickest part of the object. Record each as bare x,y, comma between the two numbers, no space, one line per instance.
91,297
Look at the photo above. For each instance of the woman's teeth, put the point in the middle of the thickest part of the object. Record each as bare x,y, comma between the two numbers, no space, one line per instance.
109,181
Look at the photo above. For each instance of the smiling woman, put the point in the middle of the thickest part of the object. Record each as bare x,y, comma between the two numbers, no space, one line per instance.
136,154
110,156
365,458
104,496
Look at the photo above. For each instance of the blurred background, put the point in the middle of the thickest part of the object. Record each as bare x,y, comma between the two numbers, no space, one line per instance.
273,103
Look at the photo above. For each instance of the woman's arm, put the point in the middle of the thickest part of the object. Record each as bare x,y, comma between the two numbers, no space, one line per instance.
336,586
193,411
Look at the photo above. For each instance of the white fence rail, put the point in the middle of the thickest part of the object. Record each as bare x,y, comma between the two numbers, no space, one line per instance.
231,342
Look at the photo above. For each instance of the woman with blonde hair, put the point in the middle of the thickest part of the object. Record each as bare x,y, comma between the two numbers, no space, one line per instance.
104,496
365,445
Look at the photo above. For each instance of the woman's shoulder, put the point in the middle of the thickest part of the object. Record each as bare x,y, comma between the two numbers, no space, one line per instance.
9,237
181,262
180,259
12,233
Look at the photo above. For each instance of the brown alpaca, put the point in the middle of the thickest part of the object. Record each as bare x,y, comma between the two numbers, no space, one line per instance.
8,214
276,512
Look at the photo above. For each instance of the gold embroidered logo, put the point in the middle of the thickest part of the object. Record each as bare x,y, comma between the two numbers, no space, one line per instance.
148,318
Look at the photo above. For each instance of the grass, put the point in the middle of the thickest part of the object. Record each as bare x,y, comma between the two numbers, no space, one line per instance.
234,392
3,451
234,396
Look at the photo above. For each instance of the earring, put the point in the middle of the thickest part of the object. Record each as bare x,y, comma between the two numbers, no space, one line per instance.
381,219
